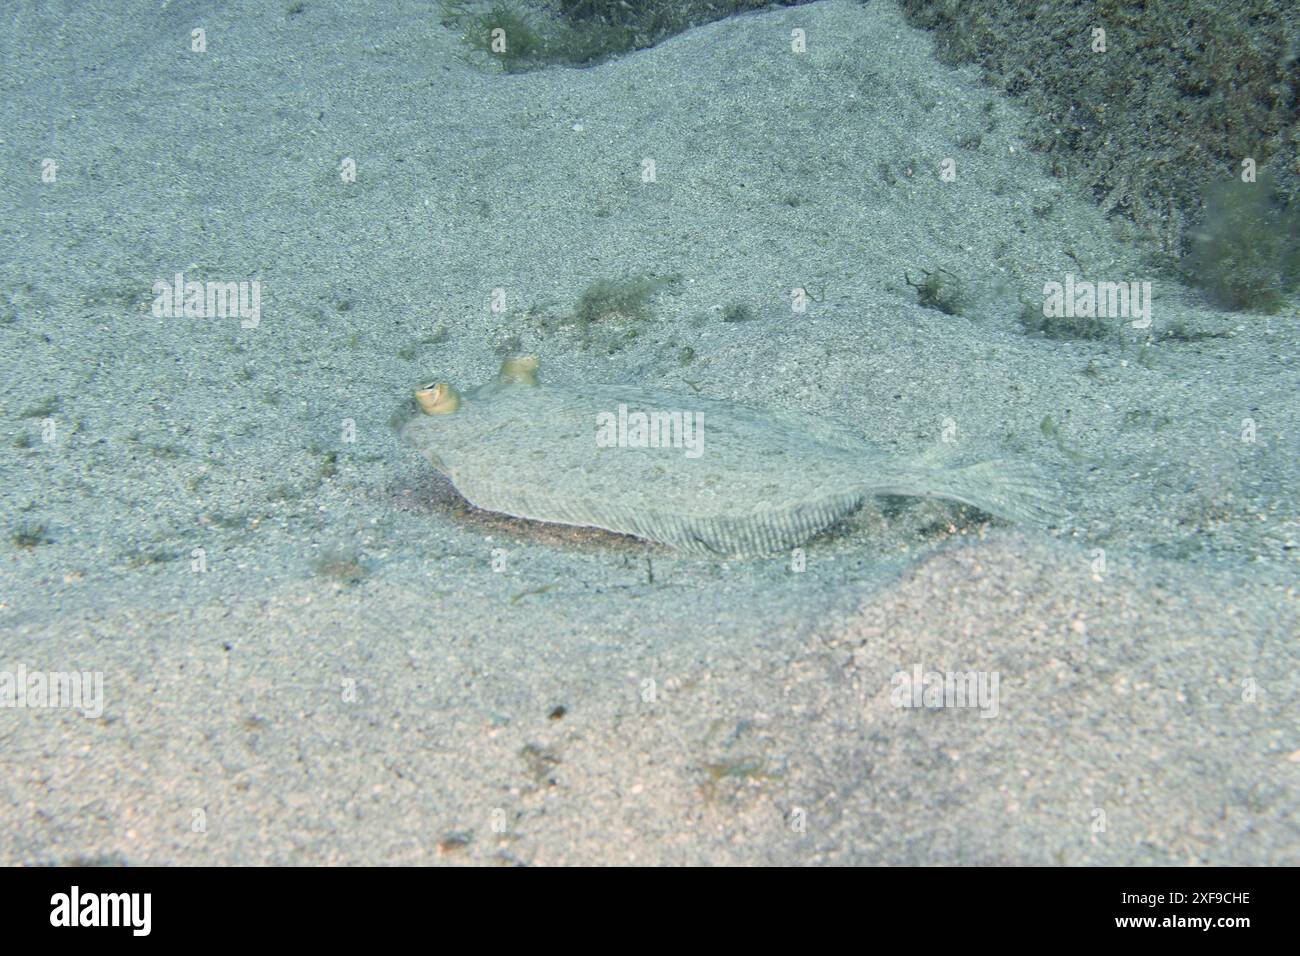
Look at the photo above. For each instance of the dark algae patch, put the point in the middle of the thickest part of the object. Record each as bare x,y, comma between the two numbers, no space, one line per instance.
1185,86
611,312
1245,253
939,289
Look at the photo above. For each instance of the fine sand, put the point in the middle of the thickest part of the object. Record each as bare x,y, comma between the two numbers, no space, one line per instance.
313,651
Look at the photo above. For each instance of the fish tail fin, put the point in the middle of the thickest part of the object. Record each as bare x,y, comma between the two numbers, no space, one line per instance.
1007,488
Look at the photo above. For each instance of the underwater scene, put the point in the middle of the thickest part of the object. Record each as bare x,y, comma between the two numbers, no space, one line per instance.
692,432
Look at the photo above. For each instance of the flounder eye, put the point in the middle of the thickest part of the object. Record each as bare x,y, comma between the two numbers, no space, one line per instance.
437,398
519,371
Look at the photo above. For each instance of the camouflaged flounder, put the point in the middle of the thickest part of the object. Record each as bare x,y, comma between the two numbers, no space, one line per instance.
763,481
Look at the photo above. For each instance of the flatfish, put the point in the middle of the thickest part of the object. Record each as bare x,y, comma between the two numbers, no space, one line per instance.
696,474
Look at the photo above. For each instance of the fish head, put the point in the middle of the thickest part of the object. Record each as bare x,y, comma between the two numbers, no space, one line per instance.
420,419
438,421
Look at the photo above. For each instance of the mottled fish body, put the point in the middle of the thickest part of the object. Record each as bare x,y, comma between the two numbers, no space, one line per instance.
695,474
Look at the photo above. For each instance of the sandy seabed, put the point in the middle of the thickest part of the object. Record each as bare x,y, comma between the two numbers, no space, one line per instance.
313,651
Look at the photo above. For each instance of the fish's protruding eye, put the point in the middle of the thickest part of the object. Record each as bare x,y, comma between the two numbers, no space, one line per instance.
521,370
438,398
